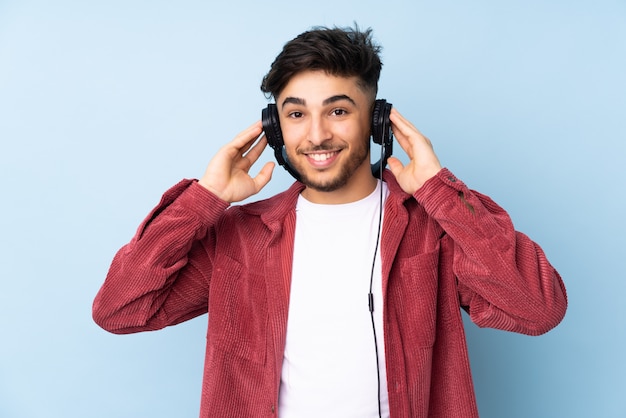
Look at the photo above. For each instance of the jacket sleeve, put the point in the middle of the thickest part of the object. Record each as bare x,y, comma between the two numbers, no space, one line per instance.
504,279
161,277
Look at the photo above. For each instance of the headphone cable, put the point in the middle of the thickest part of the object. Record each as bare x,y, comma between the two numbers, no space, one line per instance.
371,294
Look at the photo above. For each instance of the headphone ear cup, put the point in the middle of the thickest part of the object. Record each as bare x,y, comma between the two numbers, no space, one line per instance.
381,125
274,136
381,133
376,127
271,126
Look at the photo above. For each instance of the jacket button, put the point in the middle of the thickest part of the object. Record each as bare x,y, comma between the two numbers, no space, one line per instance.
452,179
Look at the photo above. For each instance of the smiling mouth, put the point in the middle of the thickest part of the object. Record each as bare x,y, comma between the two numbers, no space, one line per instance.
321,157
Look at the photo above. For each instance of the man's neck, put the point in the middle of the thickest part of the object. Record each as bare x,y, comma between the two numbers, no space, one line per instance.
356,189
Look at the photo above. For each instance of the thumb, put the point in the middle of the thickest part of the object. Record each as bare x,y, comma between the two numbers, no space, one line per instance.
264,176
395,165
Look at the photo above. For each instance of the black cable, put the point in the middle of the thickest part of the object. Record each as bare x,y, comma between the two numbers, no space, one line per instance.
371,294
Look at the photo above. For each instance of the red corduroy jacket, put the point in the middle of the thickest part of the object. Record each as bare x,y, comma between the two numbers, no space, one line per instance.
444,248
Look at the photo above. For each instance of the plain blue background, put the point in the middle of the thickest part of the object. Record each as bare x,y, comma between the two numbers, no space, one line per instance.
105,104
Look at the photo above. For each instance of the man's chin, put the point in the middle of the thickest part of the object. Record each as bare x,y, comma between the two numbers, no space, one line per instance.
321,182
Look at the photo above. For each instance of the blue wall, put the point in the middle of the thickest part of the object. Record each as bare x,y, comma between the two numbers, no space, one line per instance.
103,105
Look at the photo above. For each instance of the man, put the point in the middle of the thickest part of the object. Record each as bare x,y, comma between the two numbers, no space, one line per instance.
285,280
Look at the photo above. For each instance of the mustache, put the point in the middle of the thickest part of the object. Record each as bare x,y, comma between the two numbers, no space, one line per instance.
322,147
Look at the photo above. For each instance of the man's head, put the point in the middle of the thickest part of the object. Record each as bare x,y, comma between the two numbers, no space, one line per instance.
343,52
324,83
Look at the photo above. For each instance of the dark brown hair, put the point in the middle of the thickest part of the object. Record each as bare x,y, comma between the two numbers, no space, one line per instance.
344,52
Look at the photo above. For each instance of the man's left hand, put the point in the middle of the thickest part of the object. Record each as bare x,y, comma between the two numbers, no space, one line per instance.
423,163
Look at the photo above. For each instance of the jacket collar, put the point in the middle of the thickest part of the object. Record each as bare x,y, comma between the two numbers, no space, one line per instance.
275,209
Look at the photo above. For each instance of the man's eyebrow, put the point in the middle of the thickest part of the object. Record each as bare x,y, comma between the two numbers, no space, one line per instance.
338,98
330,100
293,100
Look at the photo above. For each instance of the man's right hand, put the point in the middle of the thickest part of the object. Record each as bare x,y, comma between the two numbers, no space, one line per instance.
227,174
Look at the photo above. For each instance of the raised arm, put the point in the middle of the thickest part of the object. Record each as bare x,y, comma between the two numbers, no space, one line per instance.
504,279
162,276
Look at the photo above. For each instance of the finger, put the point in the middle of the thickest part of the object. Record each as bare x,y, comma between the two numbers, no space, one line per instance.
403,140
246,147
395,165
402,123
256,150
264,176
406,133
404,129
244,140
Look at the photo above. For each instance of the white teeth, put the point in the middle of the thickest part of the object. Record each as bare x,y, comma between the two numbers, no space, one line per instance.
321,157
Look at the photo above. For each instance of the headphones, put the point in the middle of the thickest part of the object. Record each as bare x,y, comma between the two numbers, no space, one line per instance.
380,132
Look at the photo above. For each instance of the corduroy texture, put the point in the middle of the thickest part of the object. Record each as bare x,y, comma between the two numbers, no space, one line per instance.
444,248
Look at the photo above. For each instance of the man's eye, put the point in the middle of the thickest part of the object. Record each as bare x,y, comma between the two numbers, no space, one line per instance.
295,115
339,112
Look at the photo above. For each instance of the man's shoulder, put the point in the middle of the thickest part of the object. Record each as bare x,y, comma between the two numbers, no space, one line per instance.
273,207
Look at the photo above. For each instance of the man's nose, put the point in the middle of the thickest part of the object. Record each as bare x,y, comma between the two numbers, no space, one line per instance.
318,131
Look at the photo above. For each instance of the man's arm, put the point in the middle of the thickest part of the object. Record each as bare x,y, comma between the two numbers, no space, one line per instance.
161,277
505,279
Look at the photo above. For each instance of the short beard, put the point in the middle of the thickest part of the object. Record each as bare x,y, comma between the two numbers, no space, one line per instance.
341,179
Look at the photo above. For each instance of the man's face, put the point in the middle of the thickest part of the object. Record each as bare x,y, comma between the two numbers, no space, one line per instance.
325,122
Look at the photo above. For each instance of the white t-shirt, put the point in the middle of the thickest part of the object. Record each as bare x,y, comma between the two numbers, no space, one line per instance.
329,366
